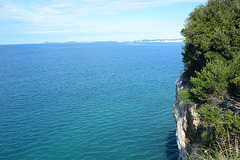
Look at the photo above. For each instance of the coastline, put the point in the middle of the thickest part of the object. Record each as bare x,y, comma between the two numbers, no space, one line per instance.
132,41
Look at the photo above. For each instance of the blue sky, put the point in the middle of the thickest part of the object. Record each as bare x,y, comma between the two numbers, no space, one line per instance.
38,21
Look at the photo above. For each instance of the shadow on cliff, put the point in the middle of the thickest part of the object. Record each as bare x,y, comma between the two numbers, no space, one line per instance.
172,148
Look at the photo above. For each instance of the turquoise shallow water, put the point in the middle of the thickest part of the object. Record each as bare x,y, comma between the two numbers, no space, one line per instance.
88,101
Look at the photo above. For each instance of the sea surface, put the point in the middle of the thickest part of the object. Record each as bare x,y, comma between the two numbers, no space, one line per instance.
88,101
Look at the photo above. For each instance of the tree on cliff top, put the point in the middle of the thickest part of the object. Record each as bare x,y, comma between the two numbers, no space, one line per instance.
212,48
212,64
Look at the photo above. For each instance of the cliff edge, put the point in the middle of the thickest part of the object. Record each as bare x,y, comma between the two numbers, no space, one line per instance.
186,121
188,124
207,105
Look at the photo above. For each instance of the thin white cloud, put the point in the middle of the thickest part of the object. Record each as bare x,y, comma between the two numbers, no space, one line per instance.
68,17
59,10
124,29
47,32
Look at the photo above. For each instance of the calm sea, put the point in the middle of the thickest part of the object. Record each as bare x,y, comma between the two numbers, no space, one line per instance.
88,101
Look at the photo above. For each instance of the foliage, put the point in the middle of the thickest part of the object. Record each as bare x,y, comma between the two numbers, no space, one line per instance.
211,31
212,63
185,96
227,130
213,80
211,114
236,67
232,124
217,153
212,49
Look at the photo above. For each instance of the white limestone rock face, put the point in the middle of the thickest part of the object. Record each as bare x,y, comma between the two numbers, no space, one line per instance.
186,122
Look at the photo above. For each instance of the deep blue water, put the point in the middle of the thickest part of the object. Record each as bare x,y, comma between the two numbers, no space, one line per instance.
88,101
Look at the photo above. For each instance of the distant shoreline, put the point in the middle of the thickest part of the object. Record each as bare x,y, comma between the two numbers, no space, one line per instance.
134,41
160,40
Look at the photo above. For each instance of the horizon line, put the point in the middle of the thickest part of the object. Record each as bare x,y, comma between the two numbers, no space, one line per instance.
172,40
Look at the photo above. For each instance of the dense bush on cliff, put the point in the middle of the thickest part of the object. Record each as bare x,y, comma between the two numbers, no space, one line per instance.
212,31
214,80
223,144
226,129
212,65
212,48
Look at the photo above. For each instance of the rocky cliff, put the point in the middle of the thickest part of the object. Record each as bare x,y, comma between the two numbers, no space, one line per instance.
188,128
186,121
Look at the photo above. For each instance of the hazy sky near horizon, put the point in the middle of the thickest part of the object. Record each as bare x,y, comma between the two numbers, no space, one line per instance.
37,21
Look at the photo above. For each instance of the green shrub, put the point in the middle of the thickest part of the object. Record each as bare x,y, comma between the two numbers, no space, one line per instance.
185,96
213,80
212,49
210,114
232,124
227,130
211,31
212,63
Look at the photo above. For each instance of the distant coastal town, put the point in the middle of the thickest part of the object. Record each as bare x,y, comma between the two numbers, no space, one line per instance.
137,41
159,40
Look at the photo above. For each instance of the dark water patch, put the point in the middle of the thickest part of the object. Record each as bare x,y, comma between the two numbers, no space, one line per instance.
171,147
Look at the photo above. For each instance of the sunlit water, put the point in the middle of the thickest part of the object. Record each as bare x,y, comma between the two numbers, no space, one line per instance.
88,101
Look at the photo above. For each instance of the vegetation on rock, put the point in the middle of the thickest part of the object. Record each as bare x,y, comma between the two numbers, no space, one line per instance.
212,65
212,48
